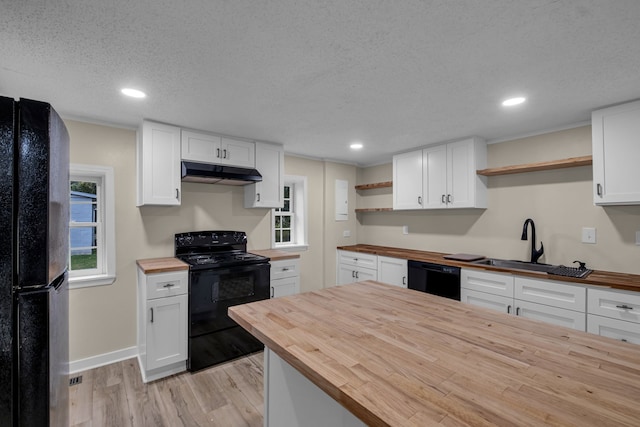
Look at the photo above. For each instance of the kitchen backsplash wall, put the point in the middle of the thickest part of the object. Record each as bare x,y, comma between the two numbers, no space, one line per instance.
559,201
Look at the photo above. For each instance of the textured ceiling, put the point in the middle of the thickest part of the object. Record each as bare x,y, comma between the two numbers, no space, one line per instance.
316,75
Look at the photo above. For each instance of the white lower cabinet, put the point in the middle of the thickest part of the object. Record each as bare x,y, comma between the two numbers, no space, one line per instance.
392,271
285,277
614,313
162,323
355,267
549,301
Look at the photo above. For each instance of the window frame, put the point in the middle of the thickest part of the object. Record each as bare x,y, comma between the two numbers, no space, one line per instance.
298,215
105,273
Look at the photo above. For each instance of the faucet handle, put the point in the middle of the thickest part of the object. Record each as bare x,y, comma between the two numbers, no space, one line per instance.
583,265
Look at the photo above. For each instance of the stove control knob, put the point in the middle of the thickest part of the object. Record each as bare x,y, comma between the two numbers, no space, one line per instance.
180,240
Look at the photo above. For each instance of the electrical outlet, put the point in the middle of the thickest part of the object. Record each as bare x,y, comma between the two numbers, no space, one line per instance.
405,229
346,233
638,238
588,235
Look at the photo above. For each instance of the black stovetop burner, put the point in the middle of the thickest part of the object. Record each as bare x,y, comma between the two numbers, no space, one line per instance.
214,249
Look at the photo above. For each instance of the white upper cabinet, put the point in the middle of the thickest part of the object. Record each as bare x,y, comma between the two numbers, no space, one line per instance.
268,192
441,176
158,160
207,148
616,175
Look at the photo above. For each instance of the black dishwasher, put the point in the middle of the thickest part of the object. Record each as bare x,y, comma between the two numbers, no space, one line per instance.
436,279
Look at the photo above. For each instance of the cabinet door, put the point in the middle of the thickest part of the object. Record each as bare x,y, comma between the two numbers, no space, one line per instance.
554,315
613,328
434,185
200,147
407,181
166,331
392,271
483,299
616,175
268,192
284,287
461,174
351,274
158,152
237,153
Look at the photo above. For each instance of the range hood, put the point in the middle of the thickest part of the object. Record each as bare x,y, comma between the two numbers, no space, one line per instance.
219,174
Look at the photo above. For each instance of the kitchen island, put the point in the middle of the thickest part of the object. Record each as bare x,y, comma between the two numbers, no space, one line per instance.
397,357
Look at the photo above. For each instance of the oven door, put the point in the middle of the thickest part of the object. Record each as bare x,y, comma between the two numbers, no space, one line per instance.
213,291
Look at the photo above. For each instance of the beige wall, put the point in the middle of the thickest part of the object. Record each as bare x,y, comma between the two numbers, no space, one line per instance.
559,201
103,319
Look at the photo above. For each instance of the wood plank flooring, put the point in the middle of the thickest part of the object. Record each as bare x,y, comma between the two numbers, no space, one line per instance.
230,394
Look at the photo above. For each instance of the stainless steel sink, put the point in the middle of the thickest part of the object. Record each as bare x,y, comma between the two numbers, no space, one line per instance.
519,265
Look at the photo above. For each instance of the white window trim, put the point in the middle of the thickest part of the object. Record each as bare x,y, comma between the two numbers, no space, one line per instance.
300,213
109,239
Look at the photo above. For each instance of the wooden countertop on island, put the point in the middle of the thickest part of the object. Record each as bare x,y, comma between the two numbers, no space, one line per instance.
397,357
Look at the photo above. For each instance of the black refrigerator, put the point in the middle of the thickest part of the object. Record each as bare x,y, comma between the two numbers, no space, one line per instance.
34,245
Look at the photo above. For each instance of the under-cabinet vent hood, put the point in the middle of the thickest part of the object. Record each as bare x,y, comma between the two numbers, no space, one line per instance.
218,174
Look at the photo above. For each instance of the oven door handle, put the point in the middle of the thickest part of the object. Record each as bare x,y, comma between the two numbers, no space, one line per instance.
215,287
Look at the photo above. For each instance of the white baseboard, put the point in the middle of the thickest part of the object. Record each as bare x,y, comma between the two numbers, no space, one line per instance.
102,359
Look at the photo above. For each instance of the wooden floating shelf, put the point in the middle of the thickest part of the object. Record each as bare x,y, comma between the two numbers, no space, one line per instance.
374,210
374,185
571,162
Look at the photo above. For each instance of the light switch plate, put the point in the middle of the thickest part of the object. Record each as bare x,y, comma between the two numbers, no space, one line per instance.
405,229
638,238
346,233
588,235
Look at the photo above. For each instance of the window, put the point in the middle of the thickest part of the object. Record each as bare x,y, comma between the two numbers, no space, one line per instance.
91,226
290,222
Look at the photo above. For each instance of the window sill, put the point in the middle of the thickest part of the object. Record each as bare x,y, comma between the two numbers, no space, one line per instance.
291,248
90,281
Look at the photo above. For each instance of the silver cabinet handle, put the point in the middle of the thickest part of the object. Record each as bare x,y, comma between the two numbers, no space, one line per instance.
353,273
419,200
624,307
357,275
443,200
217,152
509,309
272,292
178,193
623,339
224,155
404,280
518,311
449,198
285,269
258,195
169,285
599,190
151,314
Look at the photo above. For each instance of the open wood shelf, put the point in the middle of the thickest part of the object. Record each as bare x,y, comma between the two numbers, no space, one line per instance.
539,166
359,210
374,185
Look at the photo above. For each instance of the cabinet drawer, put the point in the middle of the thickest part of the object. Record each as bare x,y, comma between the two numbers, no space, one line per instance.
613,328
482,299
552,293
616,304
482,281
358,259
167,284
285,268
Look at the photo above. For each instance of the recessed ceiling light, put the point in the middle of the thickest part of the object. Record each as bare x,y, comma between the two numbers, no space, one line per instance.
513,101
356,146
133,93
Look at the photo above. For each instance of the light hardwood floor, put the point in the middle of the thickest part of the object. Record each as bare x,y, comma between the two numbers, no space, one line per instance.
227,395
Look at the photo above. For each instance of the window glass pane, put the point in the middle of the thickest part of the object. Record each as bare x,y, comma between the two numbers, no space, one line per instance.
278,240
286,235
286,222
286,191
83,248
287,206
83,187
278,221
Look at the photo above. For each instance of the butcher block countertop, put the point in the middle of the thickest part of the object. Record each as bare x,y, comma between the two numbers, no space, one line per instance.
599,278
275,254
161,265
397,357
